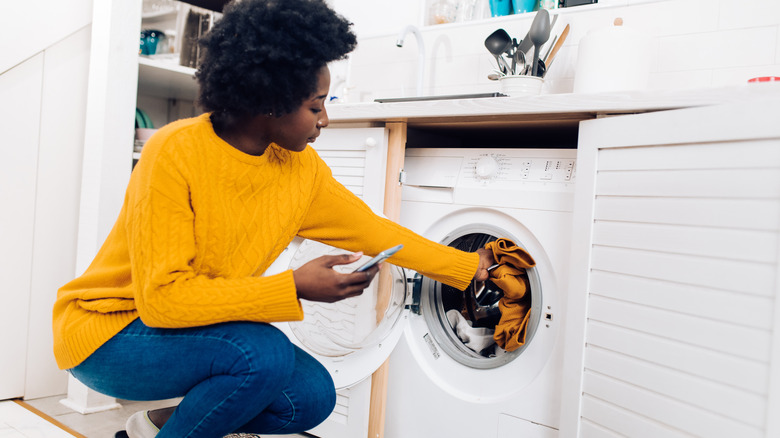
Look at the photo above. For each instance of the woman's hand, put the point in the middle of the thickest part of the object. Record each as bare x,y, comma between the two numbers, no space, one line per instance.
318,281
486,260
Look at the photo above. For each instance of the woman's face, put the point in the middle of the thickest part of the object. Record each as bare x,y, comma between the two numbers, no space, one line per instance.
302,126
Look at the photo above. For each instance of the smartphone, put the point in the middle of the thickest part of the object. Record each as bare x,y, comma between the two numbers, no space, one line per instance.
382,256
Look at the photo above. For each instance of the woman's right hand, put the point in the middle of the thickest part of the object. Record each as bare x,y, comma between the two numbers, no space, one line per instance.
318,281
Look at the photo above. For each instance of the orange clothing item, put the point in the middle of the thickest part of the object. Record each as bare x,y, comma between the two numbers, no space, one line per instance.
200,223
515,305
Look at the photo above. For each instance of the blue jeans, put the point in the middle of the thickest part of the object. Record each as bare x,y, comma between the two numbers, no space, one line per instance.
234,377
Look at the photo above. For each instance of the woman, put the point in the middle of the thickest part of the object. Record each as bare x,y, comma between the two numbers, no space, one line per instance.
173,304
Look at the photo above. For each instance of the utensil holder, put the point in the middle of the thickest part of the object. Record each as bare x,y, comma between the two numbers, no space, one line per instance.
521,85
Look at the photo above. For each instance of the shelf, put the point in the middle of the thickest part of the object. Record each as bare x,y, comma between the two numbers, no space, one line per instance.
164,78
150,15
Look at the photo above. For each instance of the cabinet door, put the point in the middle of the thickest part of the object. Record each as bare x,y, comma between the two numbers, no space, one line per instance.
20,125
357,158
674,297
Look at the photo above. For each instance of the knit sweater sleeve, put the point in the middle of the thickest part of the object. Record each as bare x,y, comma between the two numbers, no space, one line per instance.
168,291
339,218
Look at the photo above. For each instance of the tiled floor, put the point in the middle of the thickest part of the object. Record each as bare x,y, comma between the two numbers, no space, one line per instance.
97,425
18,422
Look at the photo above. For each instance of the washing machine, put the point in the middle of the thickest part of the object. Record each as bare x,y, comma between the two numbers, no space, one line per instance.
439,385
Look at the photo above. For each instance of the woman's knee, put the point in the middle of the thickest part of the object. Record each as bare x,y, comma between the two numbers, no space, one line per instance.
315,389
264,352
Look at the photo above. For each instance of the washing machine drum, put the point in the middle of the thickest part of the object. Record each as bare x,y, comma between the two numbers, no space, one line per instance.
463,322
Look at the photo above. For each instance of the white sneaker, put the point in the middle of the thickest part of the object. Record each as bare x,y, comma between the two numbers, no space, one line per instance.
140,426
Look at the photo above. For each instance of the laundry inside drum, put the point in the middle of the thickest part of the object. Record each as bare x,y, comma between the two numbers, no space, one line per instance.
464,323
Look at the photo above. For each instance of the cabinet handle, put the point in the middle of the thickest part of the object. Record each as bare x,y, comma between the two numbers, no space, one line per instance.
370,142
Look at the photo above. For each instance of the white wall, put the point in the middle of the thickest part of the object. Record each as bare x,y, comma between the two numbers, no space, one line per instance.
30,26
379,17
695,43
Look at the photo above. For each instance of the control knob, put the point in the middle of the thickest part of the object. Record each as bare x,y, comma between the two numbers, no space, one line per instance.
486,167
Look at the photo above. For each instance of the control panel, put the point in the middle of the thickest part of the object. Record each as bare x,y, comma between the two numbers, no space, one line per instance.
519,178
490,167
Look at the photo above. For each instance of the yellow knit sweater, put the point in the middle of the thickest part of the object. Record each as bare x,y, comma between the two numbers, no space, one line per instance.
201,221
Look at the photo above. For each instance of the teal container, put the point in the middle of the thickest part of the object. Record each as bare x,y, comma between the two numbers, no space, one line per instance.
523,6
500,8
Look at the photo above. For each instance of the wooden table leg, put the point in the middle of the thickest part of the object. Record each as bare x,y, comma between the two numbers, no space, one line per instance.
395,162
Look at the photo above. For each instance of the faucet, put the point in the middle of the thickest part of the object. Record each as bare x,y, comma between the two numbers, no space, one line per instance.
420,53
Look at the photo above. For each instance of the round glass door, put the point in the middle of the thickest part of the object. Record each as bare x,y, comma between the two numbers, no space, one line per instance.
353,324
463,322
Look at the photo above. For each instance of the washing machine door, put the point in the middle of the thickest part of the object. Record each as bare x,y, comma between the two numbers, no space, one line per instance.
451,336
354,336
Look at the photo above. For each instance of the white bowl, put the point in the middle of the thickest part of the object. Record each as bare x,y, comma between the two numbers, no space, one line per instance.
143,134
521,85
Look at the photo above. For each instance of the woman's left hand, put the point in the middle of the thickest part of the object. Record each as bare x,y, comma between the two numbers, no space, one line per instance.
486,260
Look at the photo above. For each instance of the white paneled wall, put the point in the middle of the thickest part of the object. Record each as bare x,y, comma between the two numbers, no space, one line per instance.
696,44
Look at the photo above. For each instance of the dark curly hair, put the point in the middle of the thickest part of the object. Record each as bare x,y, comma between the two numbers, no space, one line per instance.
262,56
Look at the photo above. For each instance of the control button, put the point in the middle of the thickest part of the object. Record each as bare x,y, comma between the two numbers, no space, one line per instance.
486,167
546,176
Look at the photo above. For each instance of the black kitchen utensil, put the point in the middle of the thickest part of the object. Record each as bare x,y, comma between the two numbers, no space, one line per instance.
497,43
539,34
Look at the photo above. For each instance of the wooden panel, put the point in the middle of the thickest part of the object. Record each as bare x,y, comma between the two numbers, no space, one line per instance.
724,155
722,367
730,183
674,414
395,162
734,403
720,336
746,277
746,214
720,305
747,245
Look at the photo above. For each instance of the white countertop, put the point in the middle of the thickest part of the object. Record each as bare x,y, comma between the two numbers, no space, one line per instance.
571,106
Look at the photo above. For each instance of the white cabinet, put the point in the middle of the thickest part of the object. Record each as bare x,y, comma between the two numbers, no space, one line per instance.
42,121
674,288
21,84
